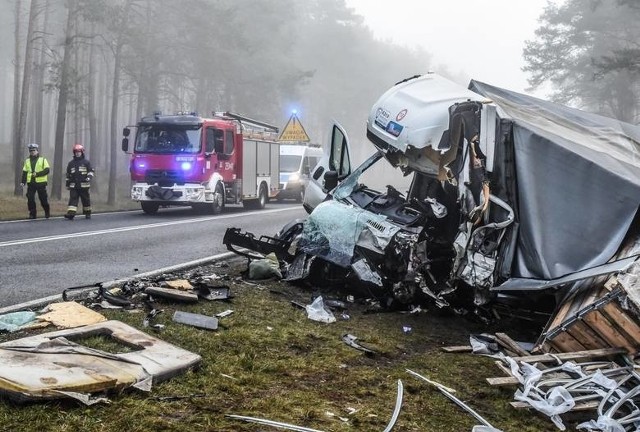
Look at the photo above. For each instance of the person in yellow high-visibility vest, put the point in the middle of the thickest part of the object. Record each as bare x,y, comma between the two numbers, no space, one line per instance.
34,175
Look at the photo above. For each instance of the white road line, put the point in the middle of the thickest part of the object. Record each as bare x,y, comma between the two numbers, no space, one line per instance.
137,227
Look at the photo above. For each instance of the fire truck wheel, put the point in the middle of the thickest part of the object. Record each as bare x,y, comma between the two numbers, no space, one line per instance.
263,196
218,200
149,208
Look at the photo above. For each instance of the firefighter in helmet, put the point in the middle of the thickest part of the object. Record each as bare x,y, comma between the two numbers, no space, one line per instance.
79,175
34,175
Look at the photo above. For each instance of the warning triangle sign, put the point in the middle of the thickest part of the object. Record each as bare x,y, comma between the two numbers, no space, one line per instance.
294,131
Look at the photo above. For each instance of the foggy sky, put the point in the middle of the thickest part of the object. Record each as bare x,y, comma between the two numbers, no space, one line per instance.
475,39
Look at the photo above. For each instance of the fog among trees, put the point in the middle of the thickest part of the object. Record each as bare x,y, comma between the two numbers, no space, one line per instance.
81,70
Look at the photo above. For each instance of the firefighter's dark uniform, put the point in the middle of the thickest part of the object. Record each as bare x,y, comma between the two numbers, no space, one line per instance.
34,175
79,175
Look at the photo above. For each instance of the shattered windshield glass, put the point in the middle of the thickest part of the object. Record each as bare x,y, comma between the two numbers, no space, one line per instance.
349,184
333,230
168,139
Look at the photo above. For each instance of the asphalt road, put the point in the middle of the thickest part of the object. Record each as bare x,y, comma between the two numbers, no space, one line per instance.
39,258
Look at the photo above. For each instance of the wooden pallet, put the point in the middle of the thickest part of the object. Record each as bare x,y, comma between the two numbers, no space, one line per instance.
592,319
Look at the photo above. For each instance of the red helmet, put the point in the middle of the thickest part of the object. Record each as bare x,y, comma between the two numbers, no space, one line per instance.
78,148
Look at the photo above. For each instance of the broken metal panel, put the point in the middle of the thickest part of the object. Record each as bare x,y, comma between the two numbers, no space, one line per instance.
39,367
264,245
364,273
520,284
173,294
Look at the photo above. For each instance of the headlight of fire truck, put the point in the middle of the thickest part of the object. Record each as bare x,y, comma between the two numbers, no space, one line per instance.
136,193
194,194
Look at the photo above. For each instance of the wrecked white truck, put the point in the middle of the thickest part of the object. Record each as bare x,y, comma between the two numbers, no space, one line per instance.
510,194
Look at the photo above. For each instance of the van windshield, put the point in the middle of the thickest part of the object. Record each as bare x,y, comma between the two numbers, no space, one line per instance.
290,163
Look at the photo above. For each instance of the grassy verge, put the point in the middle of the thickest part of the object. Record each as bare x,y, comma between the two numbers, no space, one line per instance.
269,360
14,208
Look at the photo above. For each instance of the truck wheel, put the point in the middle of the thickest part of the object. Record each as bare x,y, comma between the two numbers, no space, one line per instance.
149,208
218,200
300,196
263,196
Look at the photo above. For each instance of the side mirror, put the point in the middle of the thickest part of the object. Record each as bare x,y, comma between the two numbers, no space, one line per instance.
126,131
125,144
330,180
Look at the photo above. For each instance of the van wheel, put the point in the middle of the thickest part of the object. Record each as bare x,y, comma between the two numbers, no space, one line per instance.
218,199
300,196
149,208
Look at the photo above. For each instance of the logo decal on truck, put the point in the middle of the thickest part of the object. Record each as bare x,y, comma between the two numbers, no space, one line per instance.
401,114
382,117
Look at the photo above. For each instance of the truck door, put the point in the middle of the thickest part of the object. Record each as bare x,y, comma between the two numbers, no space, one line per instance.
334,166
220,143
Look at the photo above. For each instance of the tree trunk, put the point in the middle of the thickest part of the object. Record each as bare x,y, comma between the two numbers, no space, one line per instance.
113,135
39,78
18,150
26,76
93,124
115,100
56,189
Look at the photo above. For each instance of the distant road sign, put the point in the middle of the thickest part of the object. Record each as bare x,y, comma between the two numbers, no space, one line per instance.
294,131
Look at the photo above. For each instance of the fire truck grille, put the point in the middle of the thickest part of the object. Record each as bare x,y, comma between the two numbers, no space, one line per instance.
164,177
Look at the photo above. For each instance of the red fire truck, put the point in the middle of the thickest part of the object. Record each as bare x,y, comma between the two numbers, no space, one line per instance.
187,160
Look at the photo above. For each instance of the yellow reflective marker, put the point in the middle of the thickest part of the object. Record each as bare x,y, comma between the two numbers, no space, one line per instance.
294,131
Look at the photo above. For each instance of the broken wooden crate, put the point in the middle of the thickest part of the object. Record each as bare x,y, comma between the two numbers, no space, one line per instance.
601,317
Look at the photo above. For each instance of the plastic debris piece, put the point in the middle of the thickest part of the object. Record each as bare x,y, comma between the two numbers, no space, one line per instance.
396,410
196,320
224,313
317,311
13,321
265,268
272,423
214,293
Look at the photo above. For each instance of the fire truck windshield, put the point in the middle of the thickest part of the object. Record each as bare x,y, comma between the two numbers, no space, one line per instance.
168,139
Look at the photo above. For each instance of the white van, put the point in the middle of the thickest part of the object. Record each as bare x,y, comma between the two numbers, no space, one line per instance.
296,163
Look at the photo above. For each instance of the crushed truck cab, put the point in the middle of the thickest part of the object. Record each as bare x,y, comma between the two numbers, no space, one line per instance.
510,196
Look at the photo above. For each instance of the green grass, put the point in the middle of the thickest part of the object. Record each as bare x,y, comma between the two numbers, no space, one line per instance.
14,208
269,360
